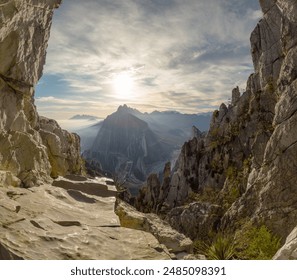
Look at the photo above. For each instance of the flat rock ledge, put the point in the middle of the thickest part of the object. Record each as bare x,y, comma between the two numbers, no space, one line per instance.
72,219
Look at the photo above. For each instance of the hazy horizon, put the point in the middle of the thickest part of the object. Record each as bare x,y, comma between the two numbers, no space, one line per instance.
151,55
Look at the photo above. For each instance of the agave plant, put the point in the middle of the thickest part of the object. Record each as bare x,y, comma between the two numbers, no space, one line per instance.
222,248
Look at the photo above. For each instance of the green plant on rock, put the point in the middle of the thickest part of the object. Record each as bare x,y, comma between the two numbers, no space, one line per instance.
208,195
221,248
232,191
256,243
231,172
234,129
231,196
250,242
214,133
247,163
214,144
270,85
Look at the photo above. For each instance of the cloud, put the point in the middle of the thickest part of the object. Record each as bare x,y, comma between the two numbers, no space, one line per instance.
198,48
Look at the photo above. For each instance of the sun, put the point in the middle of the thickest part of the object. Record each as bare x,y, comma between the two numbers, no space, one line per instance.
123,84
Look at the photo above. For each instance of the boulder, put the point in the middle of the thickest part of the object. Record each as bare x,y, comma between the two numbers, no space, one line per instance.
176,242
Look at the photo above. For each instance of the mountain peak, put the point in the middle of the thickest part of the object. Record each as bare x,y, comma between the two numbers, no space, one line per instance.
123,108
126,109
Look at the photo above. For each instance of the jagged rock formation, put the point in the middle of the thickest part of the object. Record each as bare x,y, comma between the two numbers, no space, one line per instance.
24,158
247,161
74,220
151,196
271,188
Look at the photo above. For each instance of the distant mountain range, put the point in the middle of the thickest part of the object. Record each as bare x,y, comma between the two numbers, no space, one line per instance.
134,144
84,117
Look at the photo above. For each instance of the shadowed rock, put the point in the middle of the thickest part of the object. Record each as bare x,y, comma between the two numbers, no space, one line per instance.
88,187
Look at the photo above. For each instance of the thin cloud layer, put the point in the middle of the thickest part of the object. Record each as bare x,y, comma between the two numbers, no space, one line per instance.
179,55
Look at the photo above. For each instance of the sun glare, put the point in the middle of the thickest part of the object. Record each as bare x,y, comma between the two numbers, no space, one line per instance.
123,85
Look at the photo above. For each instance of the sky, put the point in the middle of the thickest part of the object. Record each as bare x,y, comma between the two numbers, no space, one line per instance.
183,55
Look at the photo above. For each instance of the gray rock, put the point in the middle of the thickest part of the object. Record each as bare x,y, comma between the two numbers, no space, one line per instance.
23,152
271,191
289,249
48,222
196,220
195,131
63,148
235,96
173,240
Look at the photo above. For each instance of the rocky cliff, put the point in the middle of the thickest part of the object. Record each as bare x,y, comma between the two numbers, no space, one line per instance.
245,167
31,149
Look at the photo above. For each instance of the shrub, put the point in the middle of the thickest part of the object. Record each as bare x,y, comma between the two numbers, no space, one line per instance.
256,243
222,248
248,243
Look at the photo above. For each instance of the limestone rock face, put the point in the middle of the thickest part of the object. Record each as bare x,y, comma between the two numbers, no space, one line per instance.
195,220
24,33
271,188
63,148
73,221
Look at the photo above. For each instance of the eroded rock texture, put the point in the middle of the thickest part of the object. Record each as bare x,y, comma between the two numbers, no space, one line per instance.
26,158
271,189
73,220
247,161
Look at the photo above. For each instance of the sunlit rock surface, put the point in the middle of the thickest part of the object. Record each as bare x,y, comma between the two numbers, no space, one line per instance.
289,249
178,244
63,148
24,33
67,222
